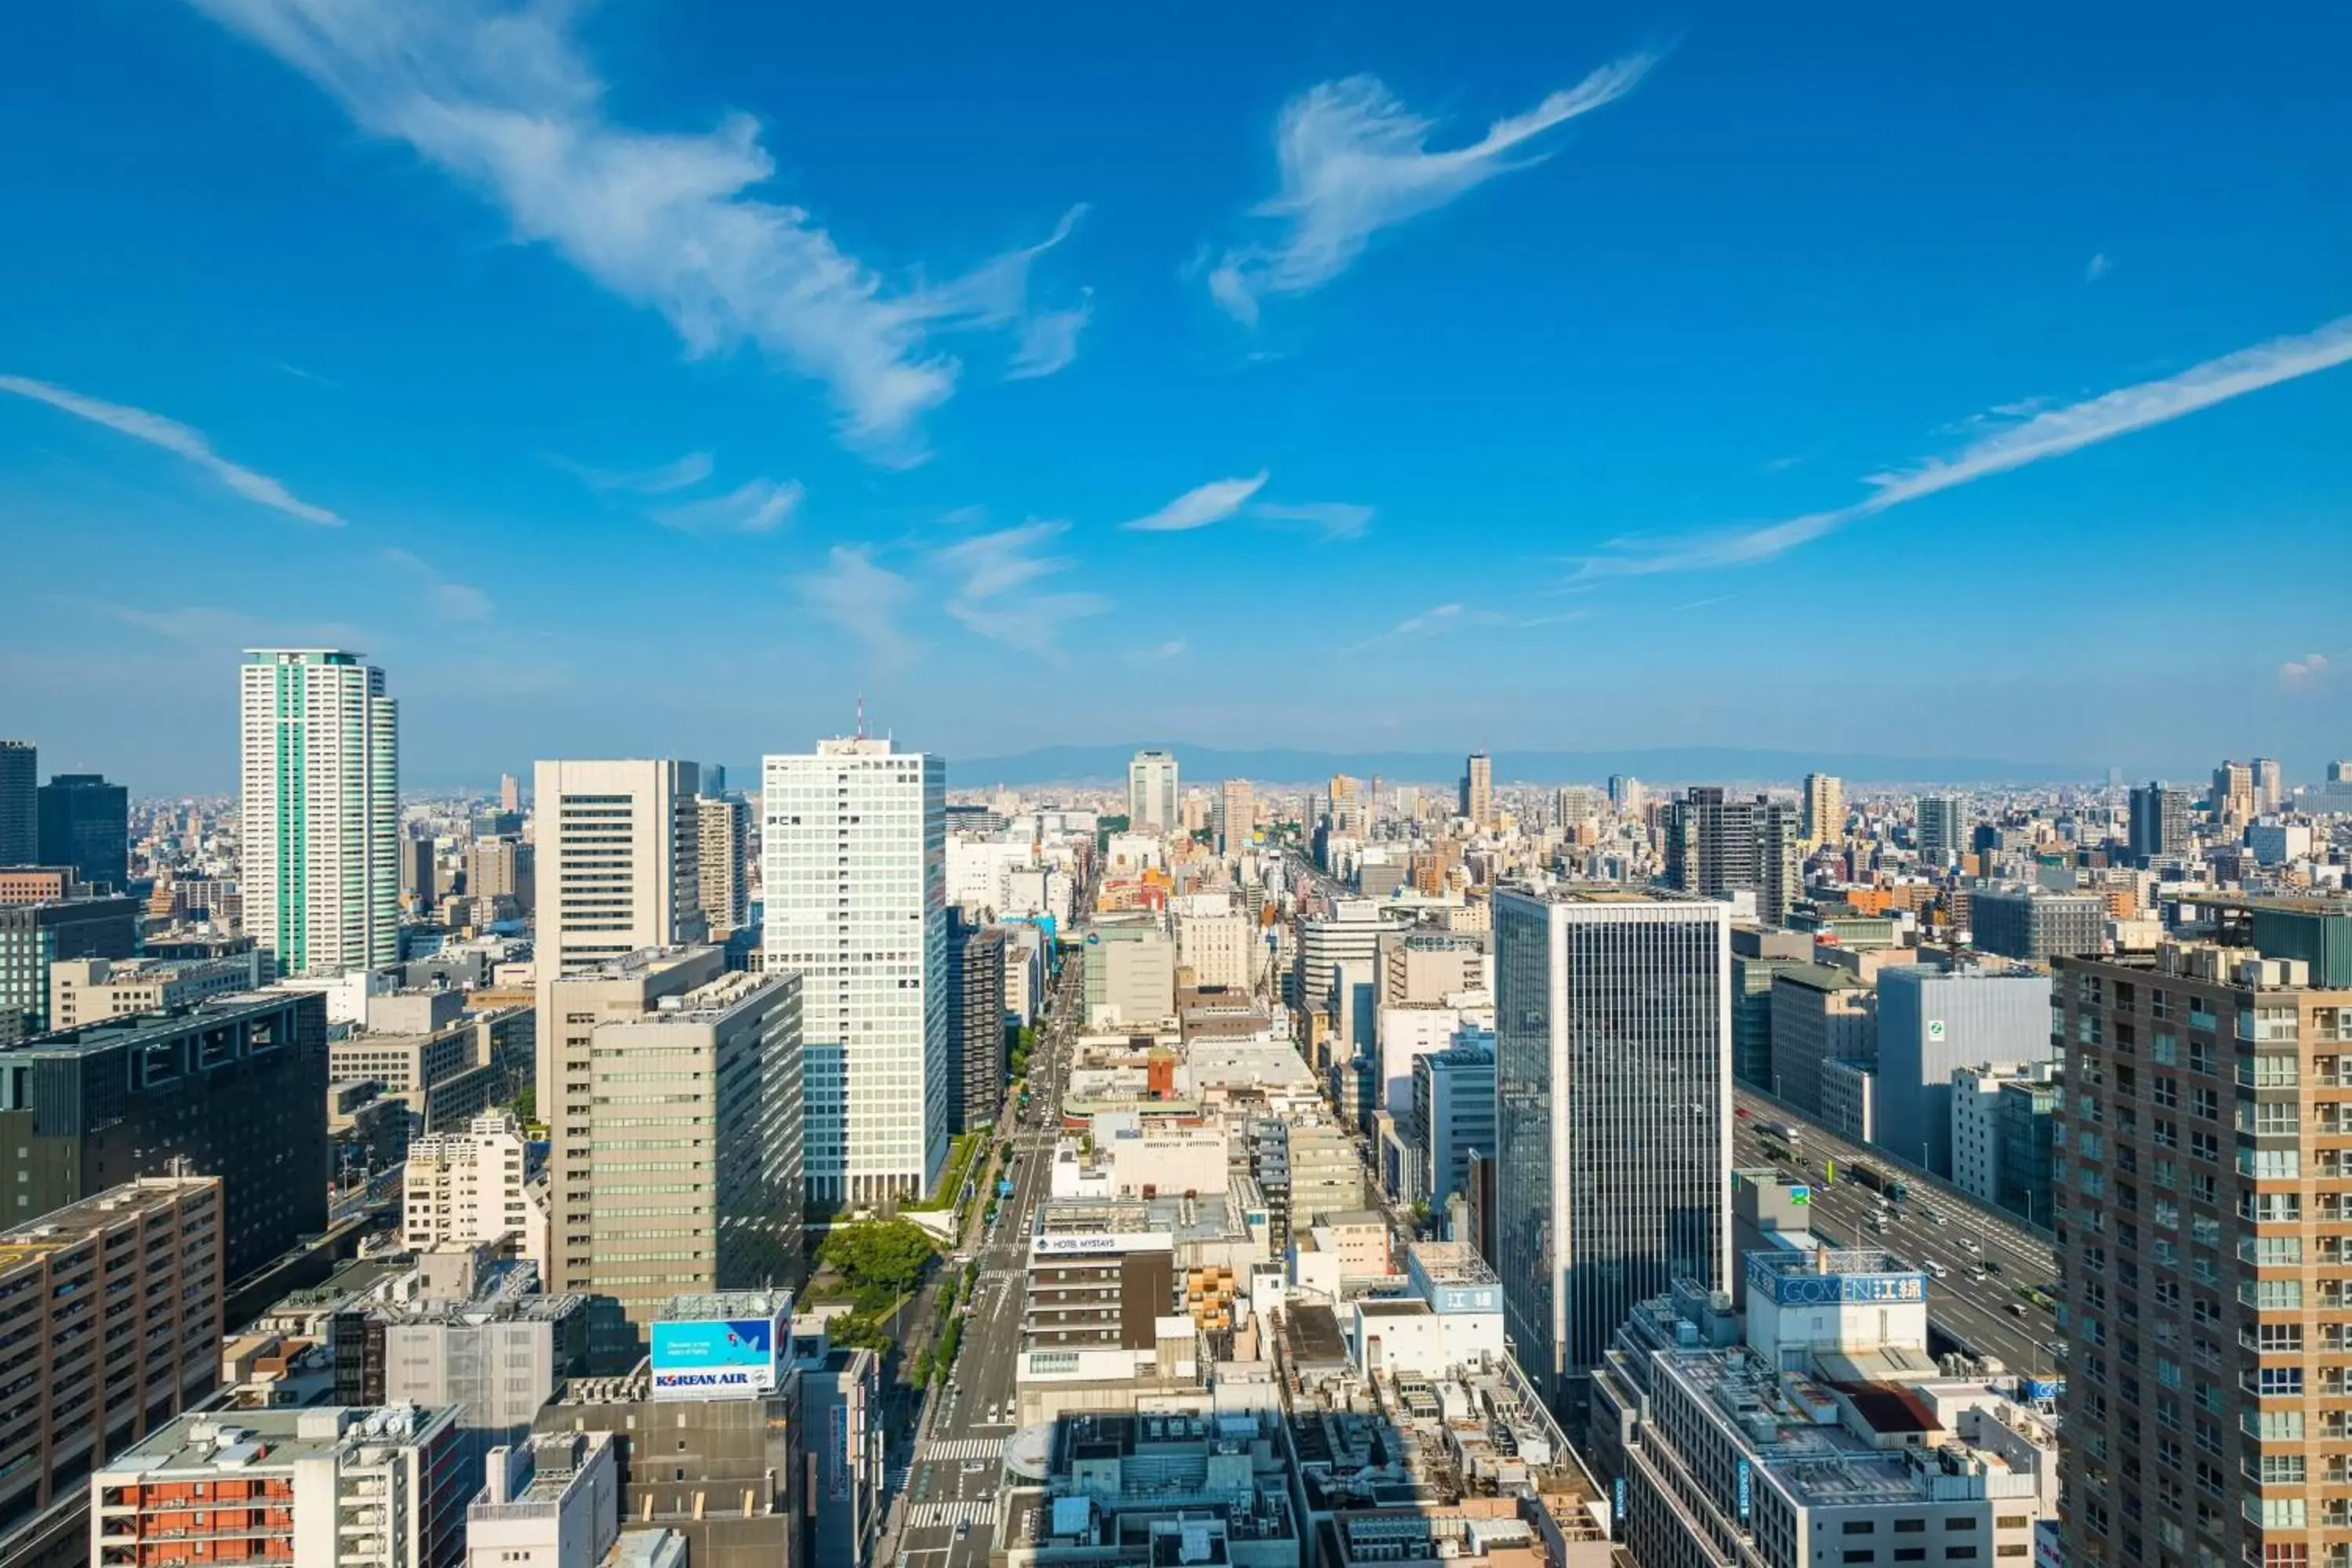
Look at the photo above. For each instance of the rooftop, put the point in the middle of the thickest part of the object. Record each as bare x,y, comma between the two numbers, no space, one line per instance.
77,1222
144,1028
275,1438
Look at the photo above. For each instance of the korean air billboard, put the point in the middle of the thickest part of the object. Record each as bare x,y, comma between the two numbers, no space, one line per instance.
718,1358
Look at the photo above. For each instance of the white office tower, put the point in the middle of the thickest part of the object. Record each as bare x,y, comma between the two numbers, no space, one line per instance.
1612,1091
1152,793
319,809
619,846
854,884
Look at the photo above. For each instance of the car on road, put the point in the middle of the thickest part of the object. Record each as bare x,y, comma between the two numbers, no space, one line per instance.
963,1528
1937,1269
975,1466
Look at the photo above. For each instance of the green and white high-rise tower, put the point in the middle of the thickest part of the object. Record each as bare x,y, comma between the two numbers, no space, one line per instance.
319,811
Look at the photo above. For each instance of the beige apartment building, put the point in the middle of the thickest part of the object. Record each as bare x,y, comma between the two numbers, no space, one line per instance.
109,1326
2203,1199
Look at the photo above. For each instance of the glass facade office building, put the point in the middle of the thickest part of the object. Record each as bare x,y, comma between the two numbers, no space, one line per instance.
1614,1097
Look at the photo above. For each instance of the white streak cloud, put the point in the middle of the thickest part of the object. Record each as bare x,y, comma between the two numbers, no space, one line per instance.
862,599
758,506
1335,521
1201,506
501,96
2051,433
452,601
1355,161
2098,267
683,473
995,572
179,439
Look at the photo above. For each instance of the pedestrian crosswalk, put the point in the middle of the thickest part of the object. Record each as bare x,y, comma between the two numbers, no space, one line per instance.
934,1515
965,1448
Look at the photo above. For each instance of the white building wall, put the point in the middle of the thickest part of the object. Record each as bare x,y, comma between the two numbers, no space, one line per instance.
1406,1033
855,882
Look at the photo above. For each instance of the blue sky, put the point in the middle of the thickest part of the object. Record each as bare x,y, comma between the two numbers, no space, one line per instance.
634,378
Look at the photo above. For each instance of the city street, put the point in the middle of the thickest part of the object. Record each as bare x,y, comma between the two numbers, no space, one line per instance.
1933,1225
950,1487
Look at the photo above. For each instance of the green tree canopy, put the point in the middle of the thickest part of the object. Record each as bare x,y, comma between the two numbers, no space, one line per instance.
885,1256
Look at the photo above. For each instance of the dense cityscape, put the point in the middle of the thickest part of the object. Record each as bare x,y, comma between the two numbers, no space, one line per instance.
1262,786
862,1167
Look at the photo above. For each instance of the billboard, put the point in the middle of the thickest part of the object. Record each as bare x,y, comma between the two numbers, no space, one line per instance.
717,1358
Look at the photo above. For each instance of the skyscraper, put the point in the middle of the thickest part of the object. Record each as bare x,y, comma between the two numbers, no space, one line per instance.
1824,810
976,1077
319,809
1943,828
618,869
854,890
2269,785
1349,816
1626,793
1151,792
20,768
85,822
676,1113
2232,797
726,842
1612,1018
1478,789
1717,845
1236,816
2199,1193
2159,821
510,793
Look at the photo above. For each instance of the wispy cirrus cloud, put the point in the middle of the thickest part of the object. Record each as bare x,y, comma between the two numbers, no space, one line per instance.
2052,432
452,601
662,479
1334,521
214,626
1199,506
1049,341
180,440
995,575
757,506
2098,267
861,599
1439,620
502,98
1355,161
1166,652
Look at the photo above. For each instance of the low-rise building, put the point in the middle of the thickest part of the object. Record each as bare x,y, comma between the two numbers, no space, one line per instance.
331,1487
551,1502
1830,1432
1154,1491
474,1188
709,1432
87,990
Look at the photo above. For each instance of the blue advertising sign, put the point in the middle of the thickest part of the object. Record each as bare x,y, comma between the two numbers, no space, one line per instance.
721,1358
1746,1489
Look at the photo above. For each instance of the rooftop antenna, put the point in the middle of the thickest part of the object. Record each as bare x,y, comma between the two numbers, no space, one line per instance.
861,715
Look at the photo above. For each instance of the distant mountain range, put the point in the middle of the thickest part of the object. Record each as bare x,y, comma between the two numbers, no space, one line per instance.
1672,765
